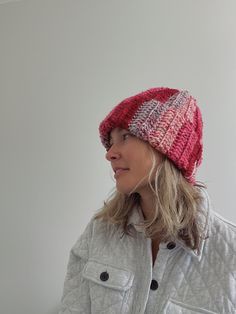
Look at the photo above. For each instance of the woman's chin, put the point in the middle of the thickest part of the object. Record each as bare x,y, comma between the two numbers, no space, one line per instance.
124,190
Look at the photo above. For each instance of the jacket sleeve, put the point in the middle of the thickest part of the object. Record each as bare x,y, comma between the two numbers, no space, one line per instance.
75,298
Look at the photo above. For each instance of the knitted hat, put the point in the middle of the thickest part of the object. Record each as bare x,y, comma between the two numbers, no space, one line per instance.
169,119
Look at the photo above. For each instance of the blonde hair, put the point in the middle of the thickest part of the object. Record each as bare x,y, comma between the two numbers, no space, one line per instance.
177,205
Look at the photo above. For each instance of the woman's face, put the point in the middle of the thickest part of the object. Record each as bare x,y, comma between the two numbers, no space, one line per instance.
128,151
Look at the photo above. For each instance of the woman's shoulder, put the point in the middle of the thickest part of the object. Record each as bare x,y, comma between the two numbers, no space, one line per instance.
220,233
103,229
222,241
220,224
97,230
217,222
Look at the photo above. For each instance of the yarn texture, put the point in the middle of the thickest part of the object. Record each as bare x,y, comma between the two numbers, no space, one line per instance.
169,119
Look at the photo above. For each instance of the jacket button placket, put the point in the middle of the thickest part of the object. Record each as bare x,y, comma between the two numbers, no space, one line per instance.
157,286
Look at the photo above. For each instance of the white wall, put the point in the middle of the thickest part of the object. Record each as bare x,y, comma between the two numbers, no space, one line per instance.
63,66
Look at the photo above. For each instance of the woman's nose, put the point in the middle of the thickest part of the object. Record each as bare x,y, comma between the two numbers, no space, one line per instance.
112,154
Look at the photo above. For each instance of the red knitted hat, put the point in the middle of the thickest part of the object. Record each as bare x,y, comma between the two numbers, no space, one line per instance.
169,119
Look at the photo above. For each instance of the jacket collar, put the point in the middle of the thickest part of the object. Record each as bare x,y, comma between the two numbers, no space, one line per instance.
137,217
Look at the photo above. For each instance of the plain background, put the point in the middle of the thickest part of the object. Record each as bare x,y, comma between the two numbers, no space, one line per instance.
63,66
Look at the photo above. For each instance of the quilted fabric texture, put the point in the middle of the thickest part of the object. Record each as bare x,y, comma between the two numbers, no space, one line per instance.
110,272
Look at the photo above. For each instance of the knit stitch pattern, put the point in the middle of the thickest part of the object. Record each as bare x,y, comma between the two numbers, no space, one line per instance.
169,119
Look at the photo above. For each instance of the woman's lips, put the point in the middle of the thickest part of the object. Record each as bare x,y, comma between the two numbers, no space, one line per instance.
120,171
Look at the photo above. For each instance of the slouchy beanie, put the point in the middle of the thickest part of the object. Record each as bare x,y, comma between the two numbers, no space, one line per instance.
169,119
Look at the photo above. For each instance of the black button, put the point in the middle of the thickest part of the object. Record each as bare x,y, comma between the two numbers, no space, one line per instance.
104,276
171,245
154,284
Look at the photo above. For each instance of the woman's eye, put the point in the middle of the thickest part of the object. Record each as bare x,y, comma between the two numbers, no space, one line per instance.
125,135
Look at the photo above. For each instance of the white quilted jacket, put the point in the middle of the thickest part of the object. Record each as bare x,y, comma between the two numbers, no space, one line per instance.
109,272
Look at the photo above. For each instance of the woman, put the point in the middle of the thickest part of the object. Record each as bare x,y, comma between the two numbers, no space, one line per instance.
156,246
